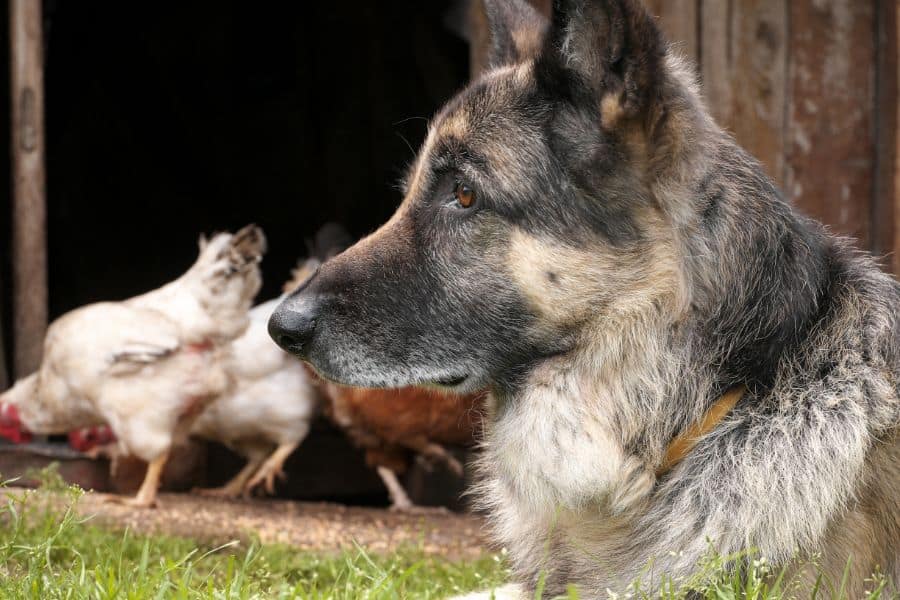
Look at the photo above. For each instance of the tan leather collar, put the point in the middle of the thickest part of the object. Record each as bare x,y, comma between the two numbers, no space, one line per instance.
682,445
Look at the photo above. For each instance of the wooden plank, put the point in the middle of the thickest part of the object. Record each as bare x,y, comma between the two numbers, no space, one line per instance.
886,208
744,72
4,374
830,166
479,38
897,141
679,20
23,461
759,80
29,247
884,199
717,58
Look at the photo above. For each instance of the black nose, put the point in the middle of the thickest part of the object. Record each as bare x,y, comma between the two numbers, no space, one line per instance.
293,325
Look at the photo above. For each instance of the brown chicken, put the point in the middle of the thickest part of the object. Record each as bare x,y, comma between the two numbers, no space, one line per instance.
393,426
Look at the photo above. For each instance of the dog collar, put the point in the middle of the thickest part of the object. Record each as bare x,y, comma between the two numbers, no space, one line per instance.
682,445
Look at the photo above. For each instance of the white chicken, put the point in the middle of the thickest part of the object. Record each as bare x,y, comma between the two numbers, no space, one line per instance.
268,411
147,366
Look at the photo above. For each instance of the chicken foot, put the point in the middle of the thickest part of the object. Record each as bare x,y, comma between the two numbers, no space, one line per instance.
436,452
271,469
146,496
399,498
236,486
110,452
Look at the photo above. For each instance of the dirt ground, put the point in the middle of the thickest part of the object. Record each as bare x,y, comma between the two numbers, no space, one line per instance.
307,526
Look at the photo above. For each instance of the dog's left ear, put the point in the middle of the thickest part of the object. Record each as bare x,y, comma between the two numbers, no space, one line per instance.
517,31
612,47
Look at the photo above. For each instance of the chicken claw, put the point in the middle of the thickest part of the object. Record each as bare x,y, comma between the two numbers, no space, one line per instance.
146,496
438,453
272,469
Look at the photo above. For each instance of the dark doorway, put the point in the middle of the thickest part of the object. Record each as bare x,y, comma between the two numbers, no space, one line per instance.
166,122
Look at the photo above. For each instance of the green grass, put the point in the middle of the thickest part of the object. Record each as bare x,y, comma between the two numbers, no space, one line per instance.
715,580
48,552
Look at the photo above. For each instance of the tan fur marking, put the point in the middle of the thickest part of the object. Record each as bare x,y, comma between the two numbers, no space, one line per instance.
415,182
455,125
611,110
528,41
570,285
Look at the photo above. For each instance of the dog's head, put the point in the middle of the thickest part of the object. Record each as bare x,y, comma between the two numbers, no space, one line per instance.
527,214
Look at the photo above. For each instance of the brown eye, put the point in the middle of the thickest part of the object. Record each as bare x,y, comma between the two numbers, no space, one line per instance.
464,195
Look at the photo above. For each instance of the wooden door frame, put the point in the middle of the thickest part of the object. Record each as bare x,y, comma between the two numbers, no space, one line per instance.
29,207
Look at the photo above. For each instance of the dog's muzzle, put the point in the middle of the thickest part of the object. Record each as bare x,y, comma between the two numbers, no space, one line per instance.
293,324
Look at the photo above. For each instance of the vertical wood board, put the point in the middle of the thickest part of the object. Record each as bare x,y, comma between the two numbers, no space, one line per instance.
830,147
679,20
29,245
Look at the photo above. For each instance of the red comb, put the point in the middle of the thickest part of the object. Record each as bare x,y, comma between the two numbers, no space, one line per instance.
11,426
88,438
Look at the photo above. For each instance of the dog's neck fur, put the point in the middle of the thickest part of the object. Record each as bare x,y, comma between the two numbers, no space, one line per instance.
620,374
560,448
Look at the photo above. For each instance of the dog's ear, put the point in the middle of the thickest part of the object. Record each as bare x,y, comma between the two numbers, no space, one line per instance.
613,47
517,31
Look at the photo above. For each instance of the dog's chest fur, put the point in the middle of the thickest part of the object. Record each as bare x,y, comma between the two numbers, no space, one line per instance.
555,445
555,465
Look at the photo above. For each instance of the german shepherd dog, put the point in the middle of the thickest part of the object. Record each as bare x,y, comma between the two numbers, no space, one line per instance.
579,236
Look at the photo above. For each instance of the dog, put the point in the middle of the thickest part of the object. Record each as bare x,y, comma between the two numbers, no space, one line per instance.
677,359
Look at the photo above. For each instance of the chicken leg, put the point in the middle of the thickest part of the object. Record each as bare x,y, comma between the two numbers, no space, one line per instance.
237,484
272,468
399,498
146,496
436,452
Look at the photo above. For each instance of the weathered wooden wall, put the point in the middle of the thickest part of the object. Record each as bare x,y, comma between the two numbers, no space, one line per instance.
810,88
888,190
807,86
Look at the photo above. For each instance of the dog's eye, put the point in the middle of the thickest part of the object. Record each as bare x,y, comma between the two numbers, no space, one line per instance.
464,195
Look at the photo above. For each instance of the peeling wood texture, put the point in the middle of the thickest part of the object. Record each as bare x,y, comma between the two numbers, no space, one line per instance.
4,375
830,146
717,62
679,19
887,194
29,242
893,47
809,87
744,69
479,38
